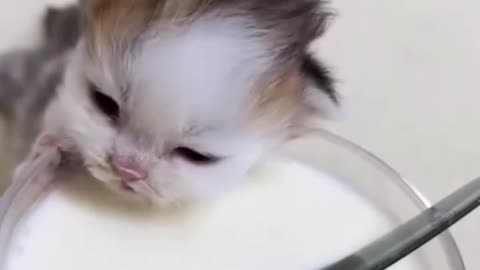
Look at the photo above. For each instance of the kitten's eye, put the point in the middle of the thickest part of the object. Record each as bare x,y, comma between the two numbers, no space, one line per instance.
194,156
104,103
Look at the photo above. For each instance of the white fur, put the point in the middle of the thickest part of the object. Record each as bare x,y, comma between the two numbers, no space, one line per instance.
186,87
207,72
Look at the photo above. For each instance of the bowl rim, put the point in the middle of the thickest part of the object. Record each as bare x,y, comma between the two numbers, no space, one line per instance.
448,242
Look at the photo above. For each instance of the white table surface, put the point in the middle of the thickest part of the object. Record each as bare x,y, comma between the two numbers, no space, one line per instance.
409,72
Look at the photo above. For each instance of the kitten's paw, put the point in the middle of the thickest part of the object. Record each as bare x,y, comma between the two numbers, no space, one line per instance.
42,145
49,142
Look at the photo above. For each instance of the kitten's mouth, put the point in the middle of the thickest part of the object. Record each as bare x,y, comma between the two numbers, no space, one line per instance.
126,187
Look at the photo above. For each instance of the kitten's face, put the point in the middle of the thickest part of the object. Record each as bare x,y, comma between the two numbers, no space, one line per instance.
184,113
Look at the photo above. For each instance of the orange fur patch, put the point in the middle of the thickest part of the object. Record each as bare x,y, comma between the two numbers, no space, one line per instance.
277,104
116,23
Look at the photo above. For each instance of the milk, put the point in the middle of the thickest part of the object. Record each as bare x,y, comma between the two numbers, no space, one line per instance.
285,217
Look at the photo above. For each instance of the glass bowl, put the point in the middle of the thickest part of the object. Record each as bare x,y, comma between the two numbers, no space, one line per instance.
358,168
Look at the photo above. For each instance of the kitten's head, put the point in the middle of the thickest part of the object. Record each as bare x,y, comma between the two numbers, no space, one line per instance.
176,100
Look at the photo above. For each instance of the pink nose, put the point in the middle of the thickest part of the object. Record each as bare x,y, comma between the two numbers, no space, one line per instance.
128,169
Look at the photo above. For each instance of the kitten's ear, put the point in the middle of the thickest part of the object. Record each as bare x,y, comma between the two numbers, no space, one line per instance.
62,27
319,95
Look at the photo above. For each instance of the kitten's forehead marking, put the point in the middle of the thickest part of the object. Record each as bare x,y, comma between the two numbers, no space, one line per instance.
120,23
290,25
201,76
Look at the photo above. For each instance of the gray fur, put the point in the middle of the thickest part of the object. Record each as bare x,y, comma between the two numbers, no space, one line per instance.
29,78
62,27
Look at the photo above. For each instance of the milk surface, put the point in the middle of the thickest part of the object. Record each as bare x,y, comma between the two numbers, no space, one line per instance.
286,217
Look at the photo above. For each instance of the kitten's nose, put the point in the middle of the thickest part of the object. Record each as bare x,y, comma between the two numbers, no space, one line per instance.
128,169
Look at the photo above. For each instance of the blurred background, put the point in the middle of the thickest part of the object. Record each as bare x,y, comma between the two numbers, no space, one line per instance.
409,73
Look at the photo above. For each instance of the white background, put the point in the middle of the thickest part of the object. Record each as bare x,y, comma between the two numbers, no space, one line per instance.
409,71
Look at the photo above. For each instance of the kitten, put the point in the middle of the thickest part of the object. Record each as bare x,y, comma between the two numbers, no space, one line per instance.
174,101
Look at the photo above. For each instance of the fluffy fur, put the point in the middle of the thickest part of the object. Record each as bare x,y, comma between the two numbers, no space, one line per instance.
225,79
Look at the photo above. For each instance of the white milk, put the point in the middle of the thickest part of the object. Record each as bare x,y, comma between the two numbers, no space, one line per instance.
287,217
